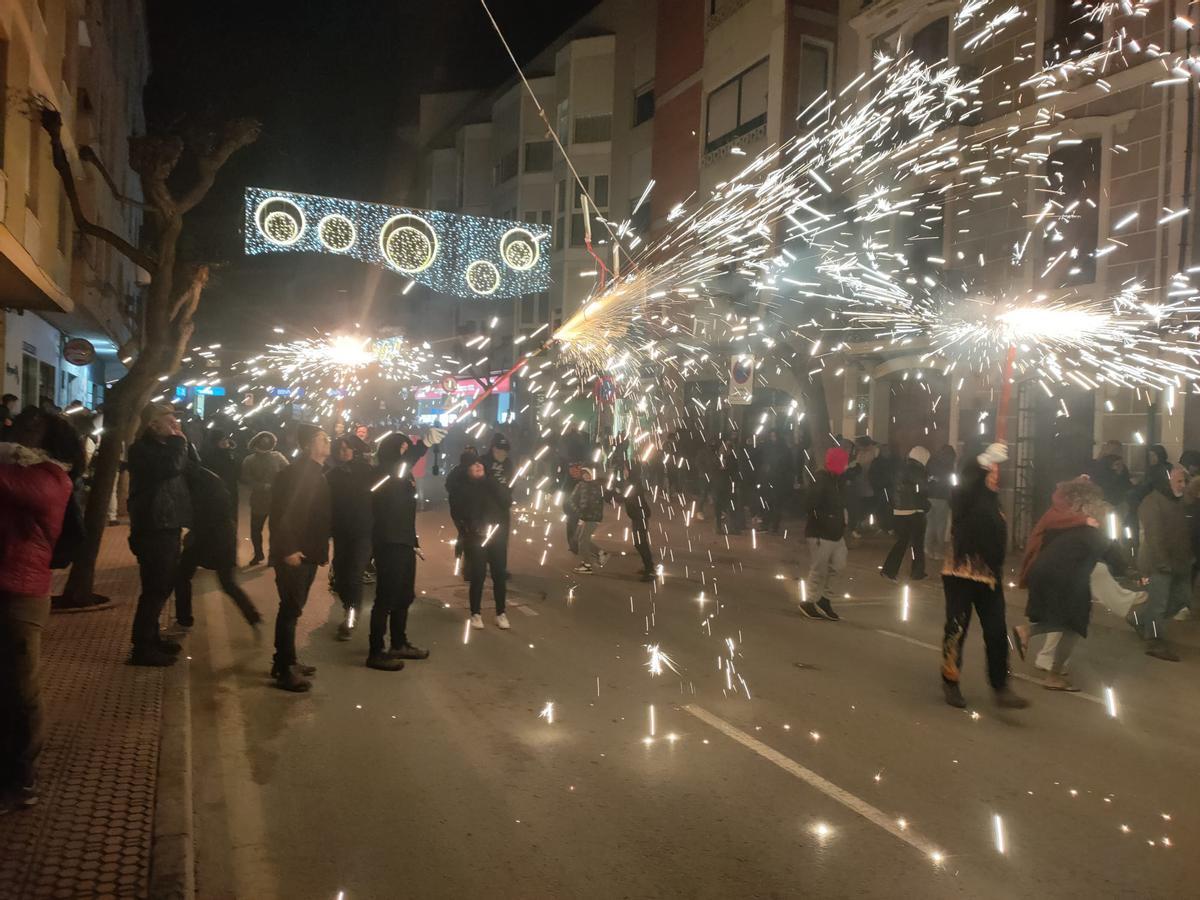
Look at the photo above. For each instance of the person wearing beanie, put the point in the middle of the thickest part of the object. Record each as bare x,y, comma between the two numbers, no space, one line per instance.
160,507
455,482
259,471
825,534
300,523
497,461
910,502
973,578
350,480
484,508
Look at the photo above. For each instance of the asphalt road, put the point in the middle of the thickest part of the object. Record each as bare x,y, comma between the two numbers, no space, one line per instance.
833,770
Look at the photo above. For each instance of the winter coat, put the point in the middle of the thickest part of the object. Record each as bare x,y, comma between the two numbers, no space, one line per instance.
1166,540
483,505
259,471
941,477
301,514
978,532
1070,506
500,470
911,492
587,501
350,486
213,534
34,491
1060,579
223,461
455,482
636,503
394,513
826,501
159,499
775,465
1116,484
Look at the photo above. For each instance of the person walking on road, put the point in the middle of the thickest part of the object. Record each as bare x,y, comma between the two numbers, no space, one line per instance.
301,517
973,577
485,512
573,474
259,471
635,499
775,476
211,543
455,482
587,505
35,488
910,503
160,507
1165,556
941,482
350,481
825,534
396,547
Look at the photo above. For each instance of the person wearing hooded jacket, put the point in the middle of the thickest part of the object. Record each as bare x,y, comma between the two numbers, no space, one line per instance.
631,493
485,504
350,481
35,488
1165,556
973,577
454,485
825,533
910,502
259,471
586,504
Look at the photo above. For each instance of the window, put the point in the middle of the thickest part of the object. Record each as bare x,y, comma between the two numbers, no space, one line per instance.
1073,172
597,188
539,156
643,105
815,71
1070,31
600,191
640,220
737,107
544,306
593,129
931,45
528,308
537,217
506,168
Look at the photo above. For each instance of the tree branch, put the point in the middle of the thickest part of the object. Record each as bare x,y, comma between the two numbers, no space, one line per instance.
235,135
88,155
185,304
51,121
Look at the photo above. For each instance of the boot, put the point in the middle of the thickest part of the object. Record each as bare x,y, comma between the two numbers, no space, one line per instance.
151,656
1007,698
408,651
290,679
953,695
384,662
346,630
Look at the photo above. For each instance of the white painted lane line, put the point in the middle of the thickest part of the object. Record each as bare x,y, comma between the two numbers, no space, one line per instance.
876,816
1079,694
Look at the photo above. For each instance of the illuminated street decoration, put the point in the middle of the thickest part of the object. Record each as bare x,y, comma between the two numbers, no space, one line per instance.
467,256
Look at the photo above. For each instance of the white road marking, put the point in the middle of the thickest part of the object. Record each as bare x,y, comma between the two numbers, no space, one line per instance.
890,824
528,610
1082,695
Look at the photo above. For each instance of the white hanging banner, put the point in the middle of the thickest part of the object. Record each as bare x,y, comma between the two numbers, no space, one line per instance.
741,381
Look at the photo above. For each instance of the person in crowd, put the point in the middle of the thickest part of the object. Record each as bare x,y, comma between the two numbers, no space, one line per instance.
941,482
220,455
1061,556
485,515
301,524
883,478
1165,556
498,462
572,475
8,411
729,500
395,545
160,507
211,543
1158,469
259,471
1190,460
587,505
708,473
339,429
825,534
631,493
363,433
1109,472
35,488
350,481
454,491
910,503
860,493
973,577
776,475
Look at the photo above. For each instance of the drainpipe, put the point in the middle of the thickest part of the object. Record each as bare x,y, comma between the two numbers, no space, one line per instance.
1186,226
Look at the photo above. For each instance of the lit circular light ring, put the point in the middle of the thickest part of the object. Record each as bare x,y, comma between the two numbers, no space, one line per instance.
280,221
336,233
408,243
483,277
519,249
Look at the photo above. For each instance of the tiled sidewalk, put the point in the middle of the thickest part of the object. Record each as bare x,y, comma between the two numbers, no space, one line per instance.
91,834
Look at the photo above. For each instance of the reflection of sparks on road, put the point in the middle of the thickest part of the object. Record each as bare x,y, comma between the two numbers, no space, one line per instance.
547,712
652,722
998,827
466,631
658,659
904,605
1110,701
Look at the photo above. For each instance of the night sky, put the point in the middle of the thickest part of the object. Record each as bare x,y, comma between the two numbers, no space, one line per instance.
331,82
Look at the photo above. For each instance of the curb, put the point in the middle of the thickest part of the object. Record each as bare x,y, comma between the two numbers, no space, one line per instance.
173,855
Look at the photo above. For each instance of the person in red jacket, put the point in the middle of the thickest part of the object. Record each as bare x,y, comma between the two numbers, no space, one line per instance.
35,488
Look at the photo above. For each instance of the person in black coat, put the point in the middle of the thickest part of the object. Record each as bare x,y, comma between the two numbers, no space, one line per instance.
220,456
775,475
350,481
825,533
301,513
454,485
395,544
211,543
909,497
484,507
160,507
973,577
631,493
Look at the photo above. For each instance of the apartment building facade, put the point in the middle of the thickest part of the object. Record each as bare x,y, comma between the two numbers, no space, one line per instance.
90,60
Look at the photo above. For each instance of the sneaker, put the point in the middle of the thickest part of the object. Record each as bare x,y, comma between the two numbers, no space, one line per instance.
290,679
502,622
1160,649
855,534
172,647
603,558
18,798
1184,615
887,576
151,656
1007,698
826,609
344,632
476,621
810,609
1053,682
408,651
953,694
583,569
306,671
699,517
257,561
384,662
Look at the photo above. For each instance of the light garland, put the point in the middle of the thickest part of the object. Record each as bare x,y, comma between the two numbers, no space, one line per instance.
465,256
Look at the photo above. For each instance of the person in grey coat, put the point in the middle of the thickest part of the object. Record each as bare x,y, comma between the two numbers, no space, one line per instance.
259,471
